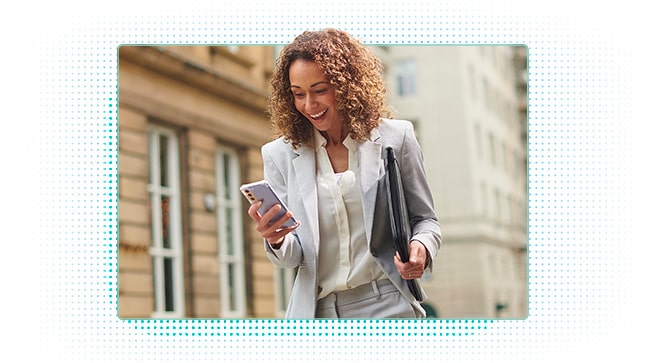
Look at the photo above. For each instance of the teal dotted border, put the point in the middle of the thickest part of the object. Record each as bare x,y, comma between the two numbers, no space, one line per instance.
307,328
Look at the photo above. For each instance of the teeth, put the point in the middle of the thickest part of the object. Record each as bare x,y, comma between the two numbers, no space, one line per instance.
318,114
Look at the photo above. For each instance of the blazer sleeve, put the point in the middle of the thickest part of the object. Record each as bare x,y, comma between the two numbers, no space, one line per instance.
289,255
423,219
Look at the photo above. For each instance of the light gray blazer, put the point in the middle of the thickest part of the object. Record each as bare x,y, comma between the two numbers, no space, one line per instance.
293,175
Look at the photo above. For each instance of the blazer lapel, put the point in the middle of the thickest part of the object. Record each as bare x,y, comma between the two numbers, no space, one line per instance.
305,169
371,166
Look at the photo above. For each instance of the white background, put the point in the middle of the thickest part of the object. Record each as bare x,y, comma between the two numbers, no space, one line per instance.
58,148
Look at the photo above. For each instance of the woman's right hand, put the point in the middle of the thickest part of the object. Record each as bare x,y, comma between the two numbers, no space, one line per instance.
273,233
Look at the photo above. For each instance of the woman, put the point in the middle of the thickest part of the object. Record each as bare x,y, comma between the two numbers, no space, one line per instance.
327,106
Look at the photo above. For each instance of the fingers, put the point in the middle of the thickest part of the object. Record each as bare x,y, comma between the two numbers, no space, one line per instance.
272,232
264,221
253,210
414,268
417,252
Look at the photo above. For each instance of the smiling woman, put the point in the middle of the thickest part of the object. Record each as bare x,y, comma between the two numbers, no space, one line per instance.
327,107
350,68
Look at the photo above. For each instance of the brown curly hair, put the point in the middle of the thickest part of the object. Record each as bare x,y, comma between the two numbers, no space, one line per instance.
353,70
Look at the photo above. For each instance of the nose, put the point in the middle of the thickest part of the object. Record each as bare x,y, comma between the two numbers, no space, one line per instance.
310,102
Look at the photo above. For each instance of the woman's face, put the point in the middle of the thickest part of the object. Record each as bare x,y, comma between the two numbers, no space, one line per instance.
313,96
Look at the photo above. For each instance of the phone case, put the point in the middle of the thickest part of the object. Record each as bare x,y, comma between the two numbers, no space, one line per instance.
262,190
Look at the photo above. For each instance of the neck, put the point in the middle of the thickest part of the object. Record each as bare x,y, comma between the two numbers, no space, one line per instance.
335,138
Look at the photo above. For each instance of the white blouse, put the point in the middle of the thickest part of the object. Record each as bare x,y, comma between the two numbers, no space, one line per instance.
344,260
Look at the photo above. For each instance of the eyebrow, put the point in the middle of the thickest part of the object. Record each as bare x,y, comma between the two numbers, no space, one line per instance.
313,85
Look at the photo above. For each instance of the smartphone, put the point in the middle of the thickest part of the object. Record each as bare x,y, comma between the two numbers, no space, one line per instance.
262,190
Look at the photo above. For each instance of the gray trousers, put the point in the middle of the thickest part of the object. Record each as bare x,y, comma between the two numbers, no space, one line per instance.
376,300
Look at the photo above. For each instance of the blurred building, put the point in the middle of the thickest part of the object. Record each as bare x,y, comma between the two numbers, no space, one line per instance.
191,123
468,104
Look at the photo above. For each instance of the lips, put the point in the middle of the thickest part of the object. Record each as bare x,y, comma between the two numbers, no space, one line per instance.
318,115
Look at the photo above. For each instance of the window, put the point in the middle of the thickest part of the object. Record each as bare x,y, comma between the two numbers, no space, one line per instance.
406,77
509,114
229,233
478,141
484,198
284,279
498,204
519,164
495,100
487,94
165,217
503,156
472,81
491,140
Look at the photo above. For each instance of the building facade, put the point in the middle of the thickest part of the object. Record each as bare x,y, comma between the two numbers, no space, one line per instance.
191,123
468,106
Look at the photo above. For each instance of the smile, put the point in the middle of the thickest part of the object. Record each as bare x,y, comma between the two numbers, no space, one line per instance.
318,115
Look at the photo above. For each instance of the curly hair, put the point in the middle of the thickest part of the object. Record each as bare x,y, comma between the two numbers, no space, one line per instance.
353,70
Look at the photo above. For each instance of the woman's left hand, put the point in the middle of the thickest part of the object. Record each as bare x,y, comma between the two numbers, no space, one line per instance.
413,269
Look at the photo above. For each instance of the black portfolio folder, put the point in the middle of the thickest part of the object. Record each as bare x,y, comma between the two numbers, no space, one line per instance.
399,215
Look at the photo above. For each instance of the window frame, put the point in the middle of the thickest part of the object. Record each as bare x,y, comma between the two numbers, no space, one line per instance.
157,251
236,260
